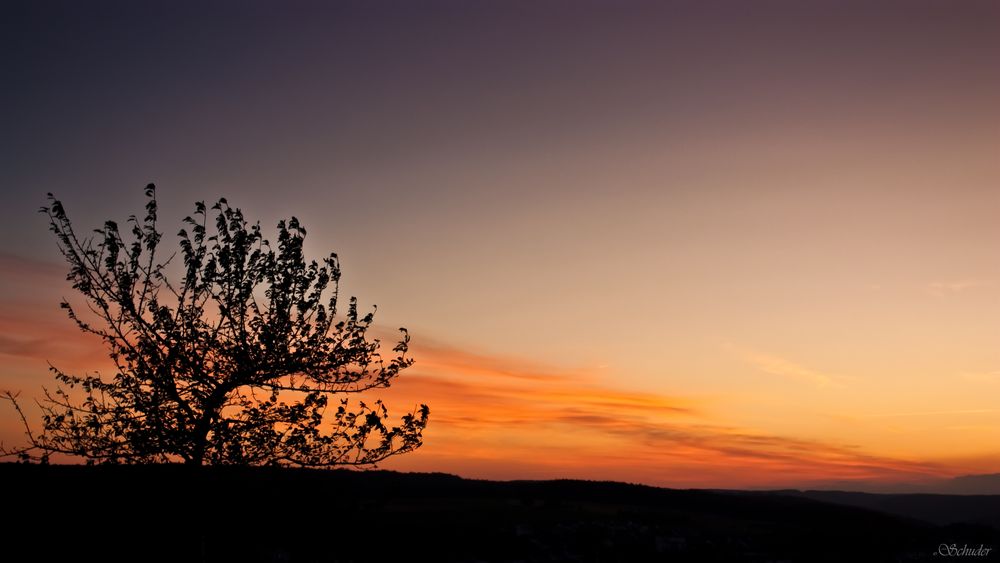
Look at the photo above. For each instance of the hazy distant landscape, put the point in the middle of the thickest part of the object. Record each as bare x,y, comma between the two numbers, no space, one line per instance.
962,485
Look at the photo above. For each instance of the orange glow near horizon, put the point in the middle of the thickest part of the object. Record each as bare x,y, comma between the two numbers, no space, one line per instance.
502,419
507,418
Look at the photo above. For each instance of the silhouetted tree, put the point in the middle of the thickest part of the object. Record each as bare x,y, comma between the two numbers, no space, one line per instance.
236,363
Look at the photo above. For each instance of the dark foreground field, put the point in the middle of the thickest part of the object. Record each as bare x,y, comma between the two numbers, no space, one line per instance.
171,513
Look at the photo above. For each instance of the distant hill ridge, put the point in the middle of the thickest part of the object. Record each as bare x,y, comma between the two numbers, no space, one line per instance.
985,484
176,513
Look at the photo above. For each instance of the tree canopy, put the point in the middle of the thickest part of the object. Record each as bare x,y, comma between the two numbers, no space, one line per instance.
235,354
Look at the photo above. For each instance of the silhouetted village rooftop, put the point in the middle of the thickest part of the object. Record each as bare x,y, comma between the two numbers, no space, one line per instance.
177,513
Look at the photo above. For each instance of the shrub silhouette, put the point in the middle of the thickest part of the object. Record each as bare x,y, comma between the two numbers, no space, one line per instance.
236,363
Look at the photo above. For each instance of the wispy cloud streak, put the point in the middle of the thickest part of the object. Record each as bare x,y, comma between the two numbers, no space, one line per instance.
550,423
942,288
785,368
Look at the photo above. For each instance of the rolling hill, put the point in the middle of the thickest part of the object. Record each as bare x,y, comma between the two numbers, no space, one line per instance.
174,513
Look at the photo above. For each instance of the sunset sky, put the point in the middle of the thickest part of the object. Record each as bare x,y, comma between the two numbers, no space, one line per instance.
698,244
